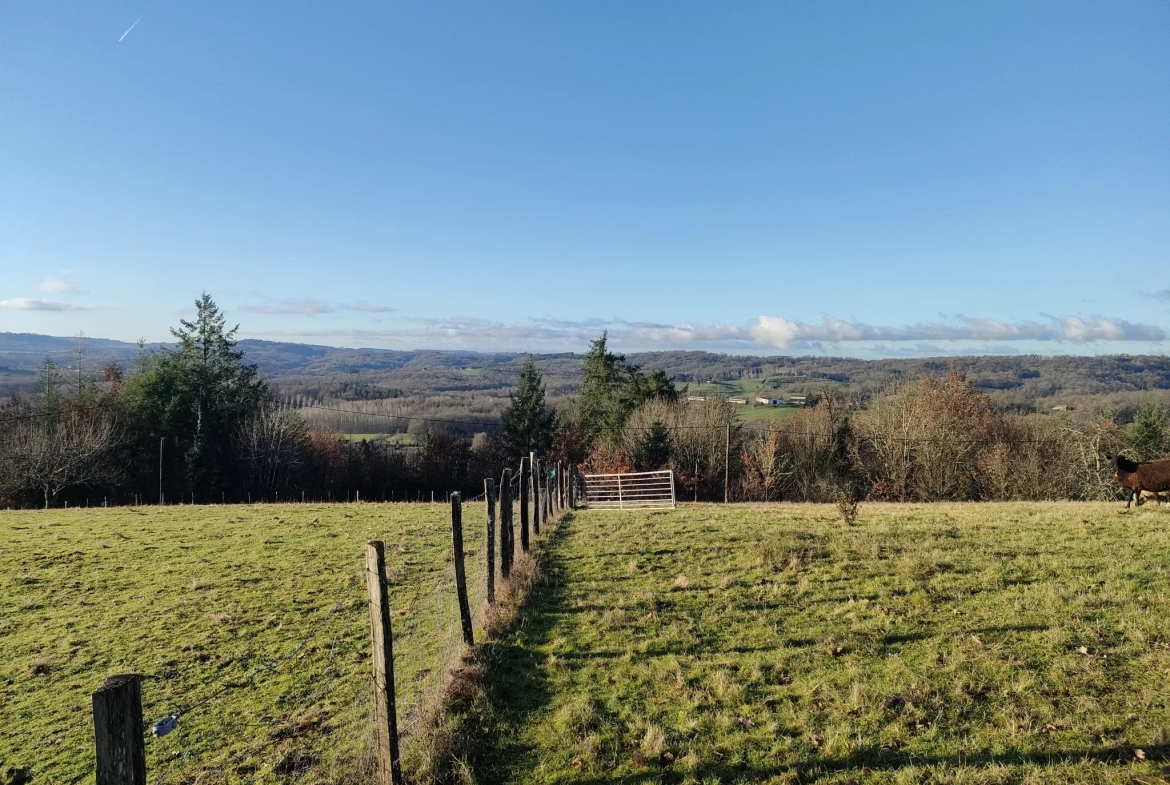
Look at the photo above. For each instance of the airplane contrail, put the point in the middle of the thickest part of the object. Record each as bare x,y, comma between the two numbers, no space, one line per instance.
136,21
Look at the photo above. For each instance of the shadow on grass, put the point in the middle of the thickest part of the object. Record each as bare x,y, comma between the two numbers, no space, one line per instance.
512,686
877,759
513,689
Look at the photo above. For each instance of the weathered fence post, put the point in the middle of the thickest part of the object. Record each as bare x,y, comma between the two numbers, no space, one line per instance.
460,571
546,478
382,638
507,549
560,485
534,471
572,481
117,730
727,465
524,522
489,495
525,480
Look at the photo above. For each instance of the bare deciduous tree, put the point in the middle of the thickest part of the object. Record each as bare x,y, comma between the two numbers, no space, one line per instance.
272,446
50,454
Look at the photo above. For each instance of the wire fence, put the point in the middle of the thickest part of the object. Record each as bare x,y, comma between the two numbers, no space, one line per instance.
304,706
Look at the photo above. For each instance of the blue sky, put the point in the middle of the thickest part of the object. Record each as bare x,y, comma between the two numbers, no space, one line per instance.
844,177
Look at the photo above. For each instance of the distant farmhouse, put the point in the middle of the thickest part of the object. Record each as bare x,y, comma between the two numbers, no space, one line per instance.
793,400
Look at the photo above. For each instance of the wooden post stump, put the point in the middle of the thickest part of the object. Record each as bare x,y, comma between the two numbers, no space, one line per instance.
117,727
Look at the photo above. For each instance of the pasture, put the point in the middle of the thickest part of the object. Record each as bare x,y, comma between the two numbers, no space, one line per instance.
941,643
251,621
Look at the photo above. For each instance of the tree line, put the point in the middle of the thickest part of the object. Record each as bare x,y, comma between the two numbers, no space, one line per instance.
198,423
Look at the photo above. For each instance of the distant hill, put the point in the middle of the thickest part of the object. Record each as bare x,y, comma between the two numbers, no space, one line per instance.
1024,381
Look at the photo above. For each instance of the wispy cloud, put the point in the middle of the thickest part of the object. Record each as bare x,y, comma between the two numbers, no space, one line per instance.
766,333
312,307
1162,294
59,284
783,333
33,304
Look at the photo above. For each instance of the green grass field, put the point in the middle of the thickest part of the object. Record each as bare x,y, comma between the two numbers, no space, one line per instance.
392,438
213,604
744,388
945,643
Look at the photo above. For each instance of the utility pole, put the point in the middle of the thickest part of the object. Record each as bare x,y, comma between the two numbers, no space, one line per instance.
726,462
160,457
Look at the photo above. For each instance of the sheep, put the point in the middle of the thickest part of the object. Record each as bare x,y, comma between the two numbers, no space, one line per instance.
1152,476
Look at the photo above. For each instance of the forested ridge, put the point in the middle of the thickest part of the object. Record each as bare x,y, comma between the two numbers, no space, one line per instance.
1017,381
202,420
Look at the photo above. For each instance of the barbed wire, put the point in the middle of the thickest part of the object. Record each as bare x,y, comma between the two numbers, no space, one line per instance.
720,427
267,665
290,700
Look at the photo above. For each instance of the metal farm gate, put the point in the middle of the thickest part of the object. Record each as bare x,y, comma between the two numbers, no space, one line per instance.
634,490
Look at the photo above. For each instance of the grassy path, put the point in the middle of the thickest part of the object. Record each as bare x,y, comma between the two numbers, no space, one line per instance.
960,643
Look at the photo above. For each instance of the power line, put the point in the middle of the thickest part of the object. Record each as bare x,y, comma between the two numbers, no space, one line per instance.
486,422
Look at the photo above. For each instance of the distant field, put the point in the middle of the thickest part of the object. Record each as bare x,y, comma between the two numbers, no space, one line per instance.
392,438
744,388
945,643
212,604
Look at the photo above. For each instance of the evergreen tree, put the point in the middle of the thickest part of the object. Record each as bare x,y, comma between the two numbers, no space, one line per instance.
528,424
612,389
653,449
659,385
52,401
195,397
1148,433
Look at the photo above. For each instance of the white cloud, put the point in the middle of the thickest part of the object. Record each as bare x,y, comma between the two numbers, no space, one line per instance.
32,304
766,332
783,334
312,307
59,284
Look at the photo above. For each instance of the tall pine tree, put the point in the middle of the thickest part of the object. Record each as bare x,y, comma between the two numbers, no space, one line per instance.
528,423
195,397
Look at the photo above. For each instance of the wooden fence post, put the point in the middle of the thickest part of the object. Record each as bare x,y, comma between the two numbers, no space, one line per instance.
560,485
572,481
117,727
489,495
535,467
525,481
523,518
382,639
460,570
507,548
727,465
